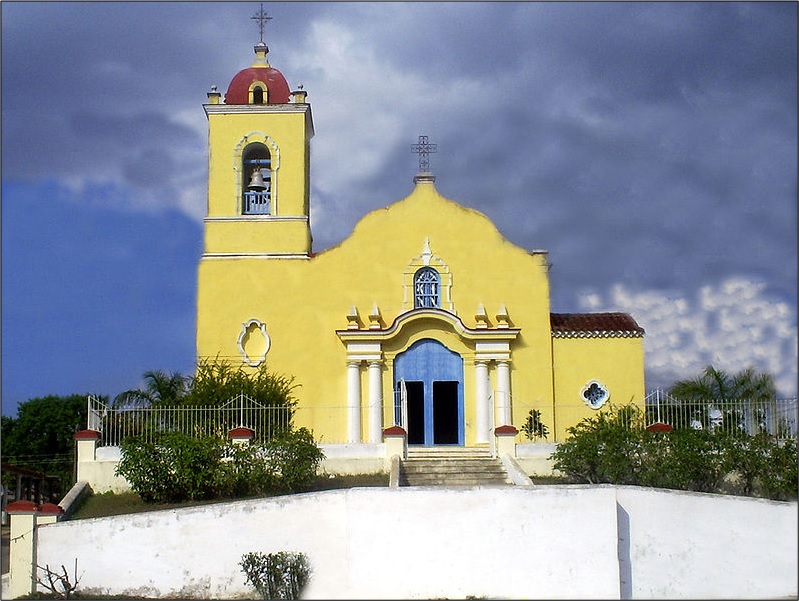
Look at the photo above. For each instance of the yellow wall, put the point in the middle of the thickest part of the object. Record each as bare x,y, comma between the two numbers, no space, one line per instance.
617,363
262,268
286,130
303,302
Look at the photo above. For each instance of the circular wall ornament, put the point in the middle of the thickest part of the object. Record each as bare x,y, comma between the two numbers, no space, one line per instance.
595,394
253,342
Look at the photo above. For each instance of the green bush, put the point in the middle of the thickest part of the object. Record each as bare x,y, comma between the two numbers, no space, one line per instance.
246,472
613,447
697,460
533,428
283,464
281,575
177,467
604,448
294,458
781,478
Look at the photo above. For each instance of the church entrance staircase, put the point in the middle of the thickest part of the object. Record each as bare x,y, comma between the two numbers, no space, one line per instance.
451,466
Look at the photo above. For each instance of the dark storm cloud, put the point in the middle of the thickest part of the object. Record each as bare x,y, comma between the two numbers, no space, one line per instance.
649,145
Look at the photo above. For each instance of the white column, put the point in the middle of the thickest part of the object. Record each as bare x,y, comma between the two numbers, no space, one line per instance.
354,401
481,400
375,402
503,393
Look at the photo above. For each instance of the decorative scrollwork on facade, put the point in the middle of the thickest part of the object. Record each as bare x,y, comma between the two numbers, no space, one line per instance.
247,342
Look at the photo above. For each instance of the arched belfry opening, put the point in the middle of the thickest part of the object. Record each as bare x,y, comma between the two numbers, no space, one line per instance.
256,180
258,96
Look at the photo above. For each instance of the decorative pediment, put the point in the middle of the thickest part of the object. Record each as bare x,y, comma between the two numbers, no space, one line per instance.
439,318
429,260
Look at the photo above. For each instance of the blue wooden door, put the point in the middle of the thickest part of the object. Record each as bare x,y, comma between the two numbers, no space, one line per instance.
433,377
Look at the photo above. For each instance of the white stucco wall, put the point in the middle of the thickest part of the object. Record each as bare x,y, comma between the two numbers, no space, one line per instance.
98,469
540,542
692,545
353,458
535,457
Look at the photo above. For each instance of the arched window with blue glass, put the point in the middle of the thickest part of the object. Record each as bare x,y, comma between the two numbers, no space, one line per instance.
257,180
426,288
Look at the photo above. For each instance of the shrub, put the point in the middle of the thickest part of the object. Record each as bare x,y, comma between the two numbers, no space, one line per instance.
294,458
780,479
533,427
247,472
613,447
281,575
177,467
746,459
697,461
603,448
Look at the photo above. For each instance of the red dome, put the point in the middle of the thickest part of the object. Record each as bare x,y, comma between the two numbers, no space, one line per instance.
276,85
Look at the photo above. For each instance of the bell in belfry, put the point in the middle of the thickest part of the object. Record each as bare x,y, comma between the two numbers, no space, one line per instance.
257,181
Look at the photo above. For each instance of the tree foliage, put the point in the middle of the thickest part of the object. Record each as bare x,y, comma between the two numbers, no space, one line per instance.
161,388
718,385
213,383
216,382
41,437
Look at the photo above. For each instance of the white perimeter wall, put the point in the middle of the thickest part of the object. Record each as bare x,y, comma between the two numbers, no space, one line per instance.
541,542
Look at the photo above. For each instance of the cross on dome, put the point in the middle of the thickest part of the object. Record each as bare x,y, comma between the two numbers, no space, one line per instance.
424,149
262,18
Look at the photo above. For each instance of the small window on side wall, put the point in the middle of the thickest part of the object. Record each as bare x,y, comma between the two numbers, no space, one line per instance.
426,289
258,95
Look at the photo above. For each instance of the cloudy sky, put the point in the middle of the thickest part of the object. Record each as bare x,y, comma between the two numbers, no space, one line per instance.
651,148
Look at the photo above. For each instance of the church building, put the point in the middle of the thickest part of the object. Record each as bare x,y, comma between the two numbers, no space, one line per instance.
425,317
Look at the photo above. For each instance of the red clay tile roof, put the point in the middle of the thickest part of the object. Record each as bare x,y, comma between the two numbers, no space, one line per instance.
594,325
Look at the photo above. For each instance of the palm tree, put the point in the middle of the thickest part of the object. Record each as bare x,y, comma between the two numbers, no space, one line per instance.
160,388
717,385
733,398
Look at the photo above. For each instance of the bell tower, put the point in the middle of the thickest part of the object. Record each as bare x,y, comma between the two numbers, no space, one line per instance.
258,165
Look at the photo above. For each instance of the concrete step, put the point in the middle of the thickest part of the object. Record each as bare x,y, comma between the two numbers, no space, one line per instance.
448,451
452,481
453,466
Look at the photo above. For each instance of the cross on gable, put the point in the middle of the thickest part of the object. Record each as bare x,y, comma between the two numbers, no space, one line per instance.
262,18
424,149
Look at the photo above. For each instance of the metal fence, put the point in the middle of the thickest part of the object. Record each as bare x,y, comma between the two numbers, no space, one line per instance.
117,423
777,417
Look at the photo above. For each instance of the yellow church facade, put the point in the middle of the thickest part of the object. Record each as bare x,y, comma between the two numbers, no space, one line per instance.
425,317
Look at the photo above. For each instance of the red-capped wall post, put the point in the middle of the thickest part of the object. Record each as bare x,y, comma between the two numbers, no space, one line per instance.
26,517
85,452
506,440
22,550
241,435
396,440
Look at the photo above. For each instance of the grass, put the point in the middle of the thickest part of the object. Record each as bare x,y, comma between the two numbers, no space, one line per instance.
108,504
539,480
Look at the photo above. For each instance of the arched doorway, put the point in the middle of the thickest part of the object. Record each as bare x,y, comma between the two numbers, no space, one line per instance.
432,377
